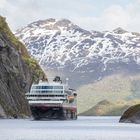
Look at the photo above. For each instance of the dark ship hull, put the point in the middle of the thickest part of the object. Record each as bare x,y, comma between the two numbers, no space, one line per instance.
53,113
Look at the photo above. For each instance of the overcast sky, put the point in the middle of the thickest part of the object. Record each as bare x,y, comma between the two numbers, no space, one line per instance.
89,14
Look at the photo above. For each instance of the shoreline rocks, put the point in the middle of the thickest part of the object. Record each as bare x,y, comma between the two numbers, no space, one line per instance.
131,115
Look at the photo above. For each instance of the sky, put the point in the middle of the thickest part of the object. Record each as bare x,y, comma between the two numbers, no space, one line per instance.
100,15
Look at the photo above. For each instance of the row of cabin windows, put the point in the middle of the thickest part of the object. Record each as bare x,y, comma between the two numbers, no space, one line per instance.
47,87
45,95
44,91
46,99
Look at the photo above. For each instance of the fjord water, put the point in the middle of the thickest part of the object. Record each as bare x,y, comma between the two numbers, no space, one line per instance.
85,128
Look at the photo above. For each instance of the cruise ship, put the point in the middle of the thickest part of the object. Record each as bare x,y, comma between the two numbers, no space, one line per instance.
52,100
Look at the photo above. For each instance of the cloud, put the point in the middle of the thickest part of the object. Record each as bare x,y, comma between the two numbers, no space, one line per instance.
127,17
20,13
81,12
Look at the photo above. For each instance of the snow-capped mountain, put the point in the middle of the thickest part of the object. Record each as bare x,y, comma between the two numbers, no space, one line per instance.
83,55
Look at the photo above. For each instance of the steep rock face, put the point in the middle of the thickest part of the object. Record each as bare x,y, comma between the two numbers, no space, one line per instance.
15,80
17,72
85,56
2,113
132,115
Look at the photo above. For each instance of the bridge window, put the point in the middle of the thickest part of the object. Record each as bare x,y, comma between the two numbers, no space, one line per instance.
47,89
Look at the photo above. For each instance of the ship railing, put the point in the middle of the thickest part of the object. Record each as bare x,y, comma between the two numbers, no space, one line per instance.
52,98
48,102
45,93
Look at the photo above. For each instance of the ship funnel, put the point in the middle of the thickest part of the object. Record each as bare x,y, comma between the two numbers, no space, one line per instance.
57,79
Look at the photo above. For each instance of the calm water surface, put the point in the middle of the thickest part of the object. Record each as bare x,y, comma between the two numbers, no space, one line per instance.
85,128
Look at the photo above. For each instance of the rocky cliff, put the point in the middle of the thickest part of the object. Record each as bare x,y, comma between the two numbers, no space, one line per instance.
132,115
17,72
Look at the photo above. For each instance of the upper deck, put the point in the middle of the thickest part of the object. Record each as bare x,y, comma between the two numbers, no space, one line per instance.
51,93
45,88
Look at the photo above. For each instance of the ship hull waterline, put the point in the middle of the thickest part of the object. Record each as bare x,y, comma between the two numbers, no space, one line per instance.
45,112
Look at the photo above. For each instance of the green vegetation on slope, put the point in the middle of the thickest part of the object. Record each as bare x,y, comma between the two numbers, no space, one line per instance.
15,42
106,108
111,88
17,72
37,71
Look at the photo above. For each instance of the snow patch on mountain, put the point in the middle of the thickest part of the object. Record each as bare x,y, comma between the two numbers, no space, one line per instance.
62,44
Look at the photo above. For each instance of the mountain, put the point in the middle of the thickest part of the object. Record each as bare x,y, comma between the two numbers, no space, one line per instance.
105,108
112,88
85,56
108,108
131,115
97,63
17,72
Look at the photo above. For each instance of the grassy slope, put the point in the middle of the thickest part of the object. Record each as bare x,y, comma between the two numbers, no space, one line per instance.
116,87
16,43
37,71
106,108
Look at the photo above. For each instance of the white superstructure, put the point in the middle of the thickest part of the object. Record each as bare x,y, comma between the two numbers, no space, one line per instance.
50,95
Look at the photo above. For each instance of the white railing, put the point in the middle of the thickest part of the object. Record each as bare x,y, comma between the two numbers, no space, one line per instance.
51,98
42,94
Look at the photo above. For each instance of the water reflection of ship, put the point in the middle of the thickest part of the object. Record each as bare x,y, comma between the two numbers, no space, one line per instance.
53,100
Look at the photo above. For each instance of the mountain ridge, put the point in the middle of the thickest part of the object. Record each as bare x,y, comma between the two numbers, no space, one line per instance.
91,59
63,46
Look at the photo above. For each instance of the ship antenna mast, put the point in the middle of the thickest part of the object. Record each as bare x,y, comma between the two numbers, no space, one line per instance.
67,80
